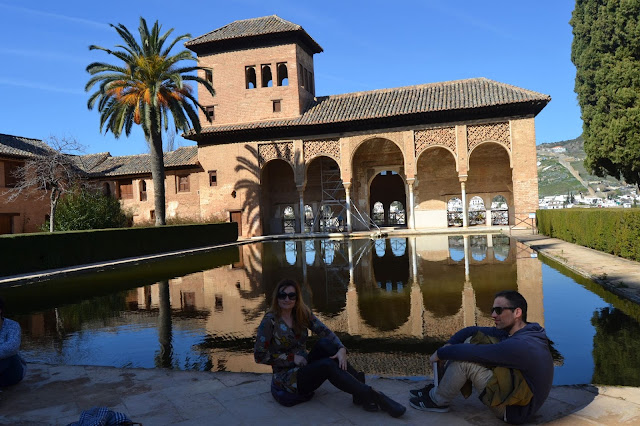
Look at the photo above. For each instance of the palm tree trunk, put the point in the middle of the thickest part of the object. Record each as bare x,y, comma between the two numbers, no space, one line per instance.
157,174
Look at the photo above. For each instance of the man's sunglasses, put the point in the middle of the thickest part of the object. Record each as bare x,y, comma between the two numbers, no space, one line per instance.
282,296
498,309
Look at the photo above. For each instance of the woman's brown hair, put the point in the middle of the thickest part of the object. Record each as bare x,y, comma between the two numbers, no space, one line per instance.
301,313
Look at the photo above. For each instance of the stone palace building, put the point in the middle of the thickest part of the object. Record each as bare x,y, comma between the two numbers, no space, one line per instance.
276,158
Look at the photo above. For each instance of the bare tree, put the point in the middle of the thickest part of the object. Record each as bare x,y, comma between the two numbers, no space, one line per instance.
52,172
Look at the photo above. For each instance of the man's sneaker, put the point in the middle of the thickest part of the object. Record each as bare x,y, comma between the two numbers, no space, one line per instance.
422,391
426,404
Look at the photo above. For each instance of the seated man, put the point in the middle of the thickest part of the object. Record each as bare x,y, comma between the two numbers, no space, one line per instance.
519,345
12,366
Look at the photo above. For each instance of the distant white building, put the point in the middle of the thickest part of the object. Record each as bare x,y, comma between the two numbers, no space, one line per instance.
558,149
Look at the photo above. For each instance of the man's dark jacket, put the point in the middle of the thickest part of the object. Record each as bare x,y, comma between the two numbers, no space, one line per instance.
527,350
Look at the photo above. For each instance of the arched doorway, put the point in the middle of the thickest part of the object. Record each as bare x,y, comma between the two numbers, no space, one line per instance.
490,173
437,182
388,189
279,198
377,164
325,195
499,211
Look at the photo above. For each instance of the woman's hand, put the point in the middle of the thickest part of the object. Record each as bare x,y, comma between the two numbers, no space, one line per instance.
341,356
299,360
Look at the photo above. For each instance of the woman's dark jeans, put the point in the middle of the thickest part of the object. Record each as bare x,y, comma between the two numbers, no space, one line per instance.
320,368
11,371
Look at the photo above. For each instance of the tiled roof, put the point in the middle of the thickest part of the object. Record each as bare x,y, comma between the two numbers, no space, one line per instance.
138,164
398,102
20,147
89,161
250,28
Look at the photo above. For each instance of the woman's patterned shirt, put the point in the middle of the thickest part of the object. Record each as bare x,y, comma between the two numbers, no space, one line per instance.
277,343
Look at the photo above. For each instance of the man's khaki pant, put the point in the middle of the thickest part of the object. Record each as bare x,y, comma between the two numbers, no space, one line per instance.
455,376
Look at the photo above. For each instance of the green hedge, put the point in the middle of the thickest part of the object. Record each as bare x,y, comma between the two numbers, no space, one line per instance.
614,231
21,253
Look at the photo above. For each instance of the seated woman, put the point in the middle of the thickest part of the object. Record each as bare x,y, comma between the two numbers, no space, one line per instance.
12,366
281,340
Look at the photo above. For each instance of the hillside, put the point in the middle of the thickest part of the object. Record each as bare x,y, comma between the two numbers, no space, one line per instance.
561,170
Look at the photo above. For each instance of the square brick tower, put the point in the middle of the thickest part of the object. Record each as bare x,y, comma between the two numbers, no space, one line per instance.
261,70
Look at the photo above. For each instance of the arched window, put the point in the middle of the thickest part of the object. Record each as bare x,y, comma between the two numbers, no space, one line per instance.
250,75
380,247
143,190
478,247
308,218
398,246
397,214
499,211
310,251
283,74
289,220
377,214
477,211
454,212
290,252
267,78
456,248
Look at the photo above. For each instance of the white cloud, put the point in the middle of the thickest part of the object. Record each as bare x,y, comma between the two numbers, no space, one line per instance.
67,18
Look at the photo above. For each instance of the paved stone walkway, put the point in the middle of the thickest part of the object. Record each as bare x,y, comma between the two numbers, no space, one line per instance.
618,275
58,394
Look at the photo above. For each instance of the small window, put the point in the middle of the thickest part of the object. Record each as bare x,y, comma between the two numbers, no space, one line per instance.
10,170
312,85
276,106
208,75
183,183
213,178
125,189
283,74
300,75
152,214
250,75
211,113
143,190
267,77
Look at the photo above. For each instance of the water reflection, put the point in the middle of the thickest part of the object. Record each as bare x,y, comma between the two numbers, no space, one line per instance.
390,300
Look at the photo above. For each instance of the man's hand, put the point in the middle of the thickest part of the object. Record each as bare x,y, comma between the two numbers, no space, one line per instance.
434,357
299,360
341,356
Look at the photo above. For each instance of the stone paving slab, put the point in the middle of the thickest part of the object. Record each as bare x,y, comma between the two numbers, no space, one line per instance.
56,395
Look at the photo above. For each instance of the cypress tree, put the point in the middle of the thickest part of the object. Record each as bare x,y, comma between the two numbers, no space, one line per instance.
606,53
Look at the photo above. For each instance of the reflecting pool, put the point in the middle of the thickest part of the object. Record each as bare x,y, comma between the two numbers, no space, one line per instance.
391,301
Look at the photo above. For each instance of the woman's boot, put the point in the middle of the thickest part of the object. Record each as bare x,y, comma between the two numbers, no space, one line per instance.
368,405
395,409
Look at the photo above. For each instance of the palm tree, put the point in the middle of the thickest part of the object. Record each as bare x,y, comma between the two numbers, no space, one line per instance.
146,89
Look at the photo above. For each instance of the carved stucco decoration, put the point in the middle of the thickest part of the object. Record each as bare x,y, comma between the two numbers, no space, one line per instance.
495,132
441,136
328,147
280,150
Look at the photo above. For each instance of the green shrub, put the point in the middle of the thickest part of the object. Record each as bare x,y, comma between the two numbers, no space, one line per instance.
87,208
614,231
36,252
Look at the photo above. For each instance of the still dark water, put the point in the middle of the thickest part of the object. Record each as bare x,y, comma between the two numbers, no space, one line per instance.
391,301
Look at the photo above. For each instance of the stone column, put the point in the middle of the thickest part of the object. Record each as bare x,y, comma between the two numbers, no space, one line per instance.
347,186
465,207
467,255
411,218
301,195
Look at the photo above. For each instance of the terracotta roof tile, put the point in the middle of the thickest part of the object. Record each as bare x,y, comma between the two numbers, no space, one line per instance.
139,164
398,102
251,28
20,147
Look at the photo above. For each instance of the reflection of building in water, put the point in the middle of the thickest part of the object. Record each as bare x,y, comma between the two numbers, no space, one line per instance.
398,288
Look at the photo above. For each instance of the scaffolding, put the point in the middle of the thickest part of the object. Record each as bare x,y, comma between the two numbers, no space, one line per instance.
331,215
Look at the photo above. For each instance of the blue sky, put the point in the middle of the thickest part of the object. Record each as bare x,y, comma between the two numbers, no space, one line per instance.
367,45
